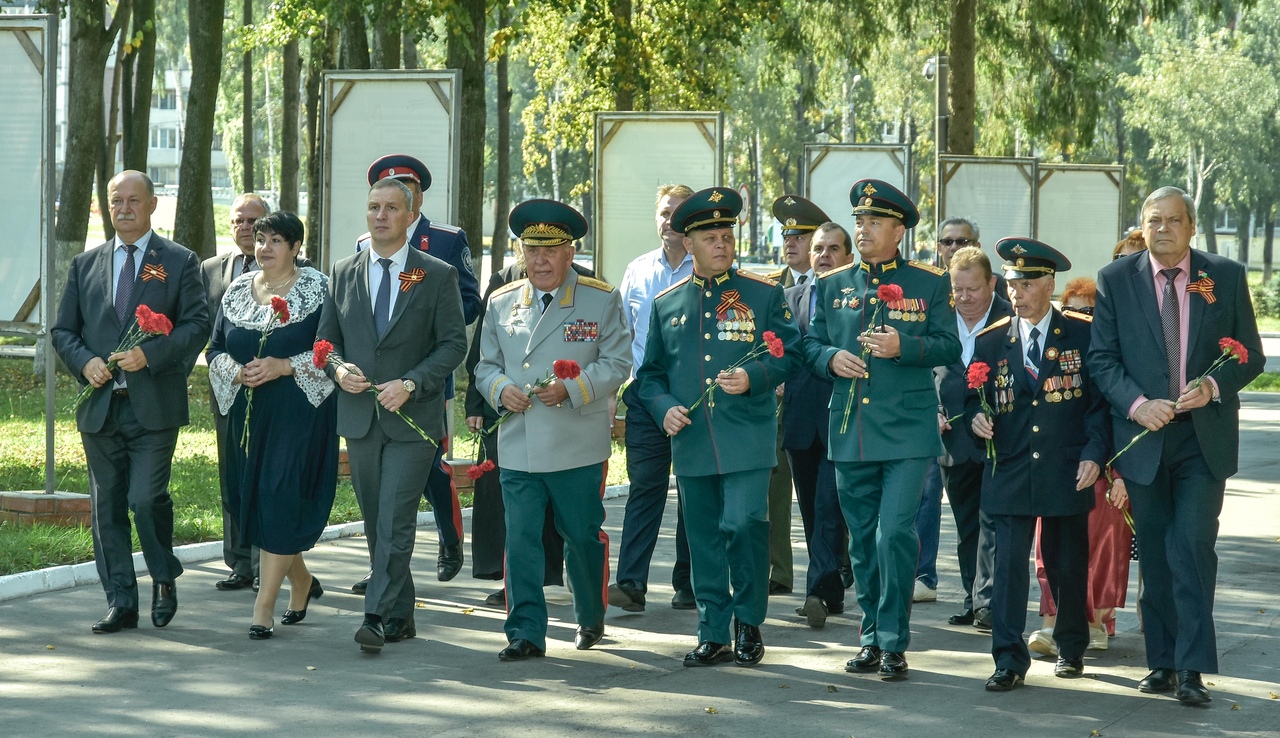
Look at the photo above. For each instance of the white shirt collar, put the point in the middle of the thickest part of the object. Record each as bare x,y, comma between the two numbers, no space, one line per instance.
795,276
141,243
398,258
413,227
1025,326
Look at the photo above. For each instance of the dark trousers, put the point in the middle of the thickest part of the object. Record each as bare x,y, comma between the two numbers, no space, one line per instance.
1065,543
824,530
489,528
1176,517
929,526
649,469
129,469
443,496
975,531
240,557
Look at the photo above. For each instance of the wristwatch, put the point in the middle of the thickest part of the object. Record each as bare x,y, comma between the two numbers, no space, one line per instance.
409,385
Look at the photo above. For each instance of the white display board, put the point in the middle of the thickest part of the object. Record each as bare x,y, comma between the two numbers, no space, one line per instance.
635,153
999,194
1079,212
831,169
27,58
369,114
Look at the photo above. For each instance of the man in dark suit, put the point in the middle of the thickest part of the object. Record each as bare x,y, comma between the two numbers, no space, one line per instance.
977,307
218,272
804,436
1051,440
447,243
1160,315
129,425
394,315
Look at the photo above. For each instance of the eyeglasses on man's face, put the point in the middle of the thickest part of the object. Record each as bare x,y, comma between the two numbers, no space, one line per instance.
949,242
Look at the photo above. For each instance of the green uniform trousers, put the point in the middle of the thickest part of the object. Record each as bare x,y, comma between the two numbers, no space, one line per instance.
576,497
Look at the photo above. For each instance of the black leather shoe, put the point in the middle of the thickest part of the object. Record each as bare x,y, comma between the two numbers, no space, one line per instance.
1003,681
748,646
1158,681
1191,690
291,617
449,563
164,603
116,619
1068,668
235,581
961,618
708,653
626,596
399,629
497,599
868,659
588,636
519,650
846,576
814,611
683,600
260,632
776,588
362,586
893,665
370,635
982,619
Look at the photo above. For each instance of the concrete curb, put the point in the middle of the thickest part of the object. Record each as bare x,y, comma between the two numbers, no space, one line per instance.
29,583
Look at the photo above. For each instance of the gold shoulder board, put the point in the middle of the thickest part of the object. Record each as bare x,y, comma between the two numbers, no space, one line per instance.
928,267
768,279
596,283
514,284
837,270
672,287
998,324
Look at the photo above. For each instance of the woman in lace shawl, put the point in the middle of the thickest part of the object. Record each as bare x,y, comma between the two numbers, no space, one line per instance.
281,478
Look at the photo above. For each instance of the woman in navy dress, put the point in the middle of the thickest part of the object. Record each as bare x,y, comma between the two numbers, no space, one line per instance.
281,477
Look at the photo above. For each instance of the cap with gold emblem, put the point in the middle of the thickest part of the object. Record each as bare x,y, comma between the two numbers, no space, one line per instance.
714,207
402,167
1027,258
797,215
546,223
876,197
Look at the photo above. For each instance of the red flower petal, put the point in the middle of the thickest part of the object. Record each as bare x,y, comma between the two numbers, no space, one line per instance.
889,292
977,374
474,472
566,369
321,349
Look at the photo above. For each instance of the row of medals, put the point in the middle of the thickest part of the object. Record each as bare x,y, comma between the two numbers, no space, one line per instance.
736,330
907,315
1060,395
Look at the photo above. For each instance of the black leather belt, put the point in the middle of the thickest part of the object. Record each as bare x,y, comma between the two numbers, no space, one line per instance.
1181,418
122,392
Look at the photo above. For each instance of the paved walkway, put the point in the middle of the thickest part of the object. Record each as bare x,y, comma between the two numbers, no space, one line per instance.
203,676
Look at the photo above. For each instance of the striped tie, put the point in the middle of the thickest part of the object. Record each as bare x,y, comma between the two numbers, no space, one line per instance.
1172,336
124,285
1033,355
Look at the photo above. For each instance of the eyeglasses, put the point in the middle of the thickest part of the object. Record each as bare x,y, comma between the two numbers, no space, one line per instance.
1083,309
243,222
954,241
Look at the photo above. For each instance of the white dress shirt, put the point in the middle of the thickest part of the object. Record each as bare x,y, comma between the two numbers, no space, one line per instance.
375,276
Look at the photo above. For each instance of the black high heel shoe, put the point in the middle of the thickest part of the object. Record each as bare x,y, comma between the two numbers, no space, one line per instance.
261,632
292,617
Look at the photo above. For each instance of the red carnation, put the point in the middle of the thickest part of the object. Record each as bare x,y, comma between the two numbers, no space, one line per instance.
776,349
280,307
152,322
978,373
566,369
889,292
474,472
321,352
487,465
1235,349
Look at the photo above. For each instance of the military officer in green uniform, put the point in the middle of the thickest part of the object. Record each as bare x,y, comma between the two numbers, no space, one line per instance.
555,444
883,425
707,332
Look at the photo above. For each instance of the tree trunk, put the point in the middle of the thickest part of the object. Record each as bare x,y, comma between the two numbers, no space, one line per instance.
962,42
1244,233
466,52
410,46
137,99
624,58
111,136
386,35
194,216
323,52
355,40
1268,239
246,109
289,127
502,194
1207,220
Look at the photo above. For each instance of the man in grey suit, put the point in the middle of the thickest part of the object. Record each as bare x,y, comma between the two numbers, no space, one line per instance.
218,273
555,444
394,315
129,425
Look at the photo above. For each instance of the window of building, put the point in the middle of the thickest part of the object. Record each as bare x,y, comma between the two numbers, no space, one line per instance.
164,138
165,100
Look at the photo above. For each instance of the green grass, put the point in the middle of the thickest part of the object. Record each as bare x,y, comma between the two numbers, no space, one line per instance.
1266,382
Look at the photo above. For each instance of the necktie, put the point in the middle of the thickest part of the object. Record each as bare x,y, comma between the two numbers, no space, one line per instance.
546,301
247,266
124,285
1033,354
382,305
1172,336
803,278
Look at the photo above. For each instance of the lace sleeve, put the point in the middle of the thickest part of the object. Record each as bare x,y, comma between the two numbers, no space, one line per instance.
222,375
312,381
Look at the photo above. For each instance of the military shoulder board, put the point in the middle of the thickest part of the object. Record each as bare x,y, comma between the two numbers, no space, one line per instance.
927,267
837,270
672,287
508,287
998,324
1069,313
596,283
756,277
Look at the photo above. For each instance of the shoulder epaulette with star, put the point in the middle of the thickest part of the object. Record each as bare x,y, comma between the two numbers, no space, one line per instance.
508,287
776,276
596,283
837,270
927,267
757,277
998,324
672,287
1069,313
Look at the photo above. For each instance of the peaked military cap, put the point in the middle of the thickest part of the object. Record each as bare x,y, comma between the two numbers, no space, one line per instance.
875,197
402,167
1027,258
797,215
714,207
546,223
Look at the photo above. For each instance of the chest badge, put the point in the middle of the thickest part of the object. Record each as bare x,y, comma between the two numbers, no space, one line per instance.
1051,353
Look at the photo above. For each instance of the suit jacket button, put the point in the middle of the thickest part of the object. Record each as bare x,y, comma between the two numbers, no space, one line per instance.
526,365
707,357
706,315
1034,403
377,353
1035,455
1035,429
706,336
866,400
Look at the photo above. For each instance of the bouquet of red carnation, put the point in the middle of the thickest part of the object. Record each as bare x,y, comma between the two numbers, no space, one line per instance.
1231,349
279,316
769,344
146,324
977,378
885,293
322,354
561,369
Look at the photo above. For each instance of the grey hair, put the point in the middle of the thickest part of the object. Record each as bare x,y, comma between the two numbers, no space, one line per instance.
254,198
957,220
1163,193
393,183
